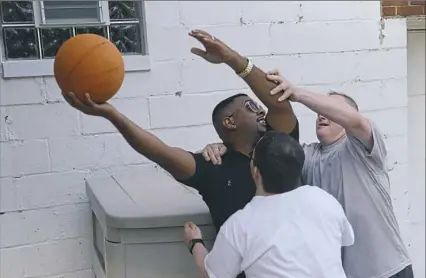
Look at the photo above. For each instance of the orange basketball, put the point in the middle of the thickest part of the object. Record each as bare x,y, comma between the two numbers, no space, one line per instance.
89,63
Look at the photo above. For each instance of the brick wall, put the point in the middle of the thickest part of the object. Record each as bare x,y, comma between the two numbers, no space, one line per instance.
403,8
48,148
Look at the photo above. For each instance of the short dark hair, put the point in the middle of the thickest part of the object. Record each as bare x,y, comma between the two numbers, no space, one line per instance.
279,159
218,112
348,99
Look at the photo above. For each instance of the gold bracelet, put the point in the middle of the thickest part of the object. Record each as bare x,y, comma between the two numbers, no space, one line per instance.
247,70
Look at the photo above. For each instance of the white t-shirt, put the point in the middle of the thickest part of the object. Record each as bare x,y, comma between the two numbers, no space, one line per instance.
296,234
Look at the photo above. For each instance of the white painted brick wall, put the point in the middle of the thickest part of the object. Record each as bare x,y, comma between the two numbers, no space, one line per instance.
48,149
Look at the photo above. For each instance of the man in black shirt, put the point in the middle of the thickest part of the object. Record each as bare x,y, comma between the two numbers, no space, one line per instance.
239,121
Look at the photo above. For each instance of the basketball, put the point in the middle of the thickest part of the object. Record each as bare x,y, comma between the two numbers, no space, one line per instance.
89,63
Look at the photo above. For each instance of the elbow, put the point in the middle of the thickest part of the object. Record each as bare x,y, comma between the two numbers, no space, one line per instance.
358,123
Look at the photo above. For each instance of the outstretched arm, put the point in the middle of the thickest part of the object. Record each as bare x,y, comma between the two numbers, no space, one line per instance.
333,108
179,163
280,114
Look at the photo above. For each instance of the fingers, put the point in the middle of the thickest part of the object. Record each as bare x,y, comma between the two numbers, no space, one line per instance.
88,101
273,72
276,90
285,96
275,78
198,52
189,226
68,98
213,155
209,152
217,154
75,101
205,153
222,150
200,33
203,37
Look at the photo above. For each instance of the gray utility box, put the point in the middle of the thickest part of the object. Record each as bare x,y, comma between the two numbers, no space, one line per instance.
138,223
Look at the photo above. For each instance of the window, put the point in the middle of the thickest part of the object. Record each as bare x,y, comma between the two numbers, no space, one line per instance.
33,31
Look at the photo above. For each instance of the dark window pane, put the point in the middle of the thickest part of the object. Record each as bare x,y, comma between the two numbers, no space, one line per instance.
52,39
20,43
101,31
17,11
123,10
127,38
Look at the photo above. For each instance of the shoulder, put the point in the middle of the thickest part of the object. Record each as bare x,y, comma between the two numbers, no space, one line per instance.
310,148
233,228
204,170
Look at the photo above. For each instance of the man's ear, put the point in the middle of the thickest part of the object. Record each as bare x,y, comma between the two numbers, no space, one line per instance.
229,123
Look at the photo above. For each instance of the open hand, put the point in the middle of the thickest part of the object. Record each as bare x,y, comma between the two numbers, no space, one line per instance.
216,51
190,232
87,106
214,152
284,86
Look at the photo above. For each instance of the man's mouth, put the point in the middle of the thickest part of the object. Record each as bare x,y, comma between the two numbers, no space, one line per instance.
322,124
261,120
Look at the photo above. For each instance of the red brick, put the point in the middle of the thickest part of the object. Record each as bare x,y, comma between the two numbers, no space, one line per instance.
389,11
390,3
410,10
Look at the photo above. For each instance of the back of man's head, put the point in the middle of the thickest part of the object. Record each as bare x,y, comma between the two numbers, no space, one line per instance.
279,159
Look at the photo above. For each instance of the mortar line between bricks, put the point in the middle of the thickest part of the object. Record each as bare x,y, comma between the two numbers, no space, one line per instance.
249,23
206,92
150,130
49,156
45,242
88,170
47,207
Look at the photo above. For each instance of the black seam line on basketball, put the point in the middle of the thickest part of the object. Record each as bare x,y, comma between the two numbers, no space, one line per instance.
82,59
108,71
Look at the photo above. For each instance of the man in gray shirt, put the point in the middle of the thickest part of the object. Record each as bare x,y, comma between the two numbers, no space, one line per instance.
349,162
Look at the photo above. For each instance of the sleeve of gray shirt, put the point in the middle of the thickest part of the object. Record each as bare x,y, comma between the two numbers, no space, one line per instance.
377,157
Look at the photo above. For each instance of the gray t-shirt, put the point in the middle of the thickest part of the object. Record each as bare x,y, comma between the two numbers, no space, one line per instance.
360,182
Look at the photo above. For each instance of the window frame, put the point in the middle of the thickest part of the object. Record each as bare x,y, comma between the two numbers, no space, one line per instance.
44,67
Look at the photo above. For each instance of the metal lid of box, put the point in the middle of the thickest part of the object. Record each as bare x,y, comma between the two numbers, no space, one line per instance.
145,199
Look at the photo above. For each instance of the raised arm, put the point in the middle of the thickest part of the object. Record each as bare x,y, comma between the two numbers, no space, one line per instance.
334,108
179,163
280,114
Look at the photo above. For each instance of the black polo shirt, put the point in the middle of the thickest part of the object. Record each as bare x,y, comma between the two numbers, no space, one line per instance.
228,187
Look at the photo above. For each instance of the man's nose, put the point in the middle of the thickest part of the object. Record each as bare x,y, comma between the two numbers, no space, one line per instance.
321,118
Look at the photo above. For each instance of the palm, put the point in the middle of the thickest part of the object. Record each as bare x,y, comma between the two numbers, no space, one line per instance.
213,56
216,51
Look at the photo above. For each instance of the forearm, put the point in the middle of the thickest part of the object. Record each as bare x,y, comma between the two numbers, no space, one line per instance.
177,162
259,84
199,253
139,139
334,109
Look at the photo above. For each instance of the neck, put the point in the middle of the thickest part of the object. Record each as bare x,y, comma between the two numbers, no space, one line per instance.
261,192
243,147
336,139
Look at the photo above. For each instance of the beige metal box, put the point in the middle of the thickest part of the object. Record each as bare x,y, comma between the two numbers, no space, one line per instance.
138,222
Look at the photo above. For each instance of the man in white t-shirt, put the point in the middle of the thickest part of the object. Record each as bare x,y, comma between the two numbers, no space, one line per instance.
285,230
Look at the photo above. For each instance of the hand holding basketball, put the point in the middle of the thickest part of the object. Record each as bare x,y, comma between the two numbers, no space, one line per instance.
87,106
89,63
